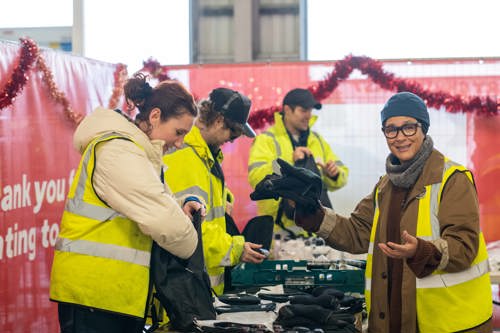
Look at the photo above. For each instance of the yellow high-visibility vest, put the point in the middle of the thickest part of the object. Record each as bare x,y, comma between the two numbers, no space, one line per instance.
101,258
446,302
189,172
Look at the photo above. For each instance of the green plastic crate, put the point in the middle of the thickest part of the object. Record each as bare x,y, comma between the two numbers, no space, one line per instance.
297,274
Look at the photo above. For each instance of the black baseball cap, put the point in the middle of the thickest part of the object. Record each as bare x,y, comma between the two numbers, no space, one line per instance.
301,97
233,106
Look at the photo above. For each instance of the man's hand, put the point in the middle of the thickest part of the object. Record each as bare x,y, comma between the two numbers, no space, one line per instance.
301,153
400,251
250,254
330,168
190,207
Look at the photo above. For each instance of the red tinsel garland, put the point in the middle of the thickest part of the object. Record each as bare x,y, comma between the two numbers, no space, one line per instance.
159,72
156,70
120,76
28,55
55,93
373,69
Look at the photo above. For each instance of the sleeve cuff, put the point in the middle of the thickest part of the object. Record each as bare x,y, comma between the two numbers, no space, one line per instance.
328,224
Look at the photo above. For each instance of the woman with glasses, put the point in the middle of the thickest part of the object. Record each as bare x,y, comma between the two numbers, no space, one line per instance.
427,265
196,168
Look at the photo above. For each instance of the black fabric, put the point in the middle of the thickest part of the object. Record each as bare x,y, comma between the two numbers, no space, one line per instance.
315,316
216,169
246,308
259,230
224,326
297,184
303,136
322,290
239,299
325,308
78,319
325,300
310,164
183,286
232,229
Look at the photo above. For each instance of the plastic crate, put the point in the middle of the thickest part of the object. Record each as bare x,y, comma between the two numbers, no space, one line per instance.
297,274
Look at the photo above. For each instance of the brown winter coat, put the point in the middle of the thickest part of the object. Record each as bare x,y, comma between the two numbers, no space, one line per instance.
459,220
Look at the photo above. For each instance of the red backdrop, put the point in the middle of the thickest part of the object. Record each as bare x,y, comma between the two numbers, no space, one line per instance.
37,156
36,160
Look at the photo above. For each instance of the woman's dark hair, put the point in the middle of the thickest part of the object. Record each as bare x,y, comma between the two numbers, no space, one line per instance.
208,115
170,97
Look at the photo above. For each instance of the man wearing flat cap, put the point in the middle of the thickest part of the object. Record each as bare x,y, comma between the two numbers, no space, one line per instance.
292,140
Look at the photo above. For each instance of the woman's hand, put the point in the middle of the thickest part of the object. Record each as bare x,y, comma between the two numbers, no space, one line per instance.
190,207
400,251
251,255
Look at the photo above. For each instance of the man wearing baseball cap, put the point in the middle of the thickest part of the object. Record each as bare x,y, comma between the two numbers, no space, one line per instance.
195,171
291,139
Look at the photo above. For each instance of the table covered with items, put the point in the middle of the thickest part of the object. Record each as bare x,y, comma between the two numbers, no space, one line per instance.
322,292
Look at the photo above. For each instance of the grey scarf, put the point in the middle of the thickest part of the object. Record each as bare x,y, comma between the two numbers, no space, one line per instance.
405,174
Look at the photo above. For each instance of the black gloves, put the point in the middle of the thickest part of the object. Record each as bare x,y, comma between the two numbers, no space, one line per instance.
309,221
326,308
297,184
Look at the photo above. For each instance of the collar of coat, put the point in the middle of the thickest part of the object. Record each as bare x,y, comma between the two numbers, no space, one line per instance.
104,121
279,124
431,174
196,141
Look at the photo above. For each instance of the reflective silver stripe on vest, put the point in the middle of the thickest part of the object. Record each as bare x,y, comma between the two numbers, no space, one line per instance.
434,204
85,209
370,248
276,144
214,213
196,190
226,261
321,145
101,250
211,194
368,284
435,226
76,205
337,162
216,280
452,279
255,165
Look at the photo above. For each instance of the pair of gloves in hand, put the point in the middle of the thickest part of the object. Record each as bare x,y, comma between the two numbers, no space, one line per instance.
299,185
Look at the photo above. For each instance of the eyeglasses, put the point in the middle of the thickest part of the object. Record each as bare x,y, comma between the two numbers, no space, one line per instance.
235,129
391,132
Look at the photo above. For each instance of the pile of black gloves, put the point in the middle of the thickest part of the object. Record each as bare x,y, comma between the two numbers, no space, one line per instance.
300,185
297,184
325,310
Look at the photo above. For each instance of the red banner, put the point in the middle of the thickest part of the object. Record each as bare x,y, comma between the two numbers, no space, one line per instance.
37,161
